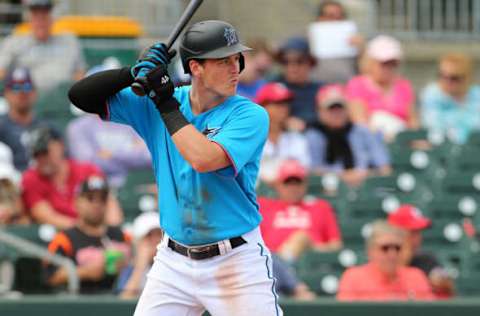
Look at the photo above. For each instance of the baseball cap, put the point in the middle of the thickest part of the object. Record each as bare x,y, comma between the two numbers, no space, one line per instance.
273,92
409,217
145,223
295,44
40,139
384,48
291,169
331,95
39,4
94,183
19,79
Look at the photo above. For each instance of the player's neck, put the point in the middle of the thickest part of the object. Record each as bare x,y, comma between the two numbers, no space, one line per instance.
203,99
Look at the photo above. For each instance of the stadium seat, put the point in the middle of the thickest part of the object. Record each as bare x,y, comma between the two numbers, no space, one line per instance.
466,158
460,182
452,207
135,195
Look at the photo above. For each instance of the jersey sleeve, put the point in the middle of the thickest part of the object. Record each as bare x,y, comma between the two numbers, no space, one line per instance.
138,112
243,137
60,245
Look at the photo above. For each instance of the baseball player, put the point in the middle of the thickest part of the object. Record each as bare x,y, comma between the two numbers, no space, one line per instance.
205,143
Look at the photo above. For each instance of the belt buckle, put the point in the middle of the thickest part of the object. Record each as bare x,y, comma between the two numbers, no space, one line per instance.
197,250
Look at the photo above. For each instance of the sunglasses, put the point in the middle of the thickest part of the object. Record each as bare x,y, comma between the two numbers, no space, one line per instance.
293,180
96,196
387,247
21,87
455,78
390,63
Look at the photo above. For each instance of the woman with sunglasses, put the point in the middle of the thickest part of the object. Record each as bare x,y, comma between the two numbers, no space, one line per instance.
380,98
384,277
451,105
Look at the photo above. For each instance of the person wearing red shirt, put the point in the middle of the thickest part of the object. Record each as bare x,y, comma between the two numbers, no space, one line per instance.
50,185
384,277
291,224
413,222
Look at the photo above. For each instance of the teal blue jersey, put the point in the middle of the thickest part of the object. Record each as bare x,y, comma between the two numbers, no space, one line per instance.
199,208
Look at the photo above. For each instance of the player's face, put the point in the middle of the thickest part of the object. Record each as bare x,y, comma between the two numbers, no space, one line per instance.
91,207
385,252
220,76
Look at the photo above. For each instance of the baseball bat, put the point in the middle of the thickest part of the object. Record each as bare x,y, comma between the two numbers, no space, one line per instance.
137,86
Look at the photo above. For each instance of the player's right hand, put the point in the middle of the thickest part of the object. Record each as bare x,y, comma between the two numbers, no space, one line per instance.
154,56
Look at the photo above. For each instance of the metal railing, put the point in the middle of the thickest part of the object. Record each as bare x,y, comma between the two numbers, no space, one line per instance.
34,250
426,19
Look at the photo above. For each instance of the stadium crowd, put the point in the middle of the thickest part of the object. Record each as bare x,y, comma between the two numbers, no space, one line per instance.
335,128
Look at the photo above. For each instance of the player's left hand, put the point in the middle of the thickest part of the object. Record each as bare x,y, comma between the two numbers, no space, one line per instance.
158,80
154,56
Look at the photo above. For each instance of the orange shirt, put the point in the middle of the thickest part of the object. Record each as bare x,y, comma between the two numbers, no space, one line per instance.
366,282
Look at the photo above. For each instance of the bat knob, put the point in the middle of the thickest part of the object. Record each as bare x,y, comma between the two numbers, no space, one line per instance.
138,89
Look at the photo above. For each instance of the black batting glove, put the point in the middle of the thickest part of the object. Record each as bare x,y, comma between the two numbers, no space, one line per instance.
161,89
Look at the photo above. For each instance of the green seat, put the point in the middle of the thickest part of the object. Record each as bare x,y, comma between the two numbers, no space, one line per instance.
465,159
135,195
453,207
474,139
407,137
460,182
321,271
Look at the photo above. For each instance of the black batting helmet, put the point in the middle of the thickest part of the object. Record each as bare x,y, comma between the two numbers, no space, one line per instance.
210,39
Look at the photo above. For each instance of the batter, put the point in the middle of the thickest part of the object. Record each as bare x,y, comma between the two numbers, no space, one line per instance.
206,144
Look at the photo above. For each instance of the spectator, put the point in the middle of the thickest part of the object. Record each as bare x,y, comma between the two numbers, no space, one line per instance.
451,105
381,99
294,55
341,146
49,185
287,282
258,62
281,143
384,277
99,251
336,69
291,223
17,125
52,58
410,219
11,208
147,235
114,148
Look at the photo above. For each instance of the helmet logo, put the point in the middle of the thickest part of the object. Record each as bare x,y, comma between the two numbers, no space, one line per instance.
230,36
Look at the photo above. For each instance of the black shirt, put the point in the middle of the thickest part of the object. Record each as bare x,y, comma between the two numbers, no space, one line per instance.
74,243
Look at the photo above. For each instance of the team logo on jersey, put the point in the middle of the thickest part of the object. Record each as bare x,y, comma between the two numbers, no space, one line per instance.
211,131
230,36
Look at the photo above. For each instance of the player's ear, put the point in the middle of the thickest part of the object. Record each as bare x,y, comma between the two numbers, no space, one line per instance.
196,67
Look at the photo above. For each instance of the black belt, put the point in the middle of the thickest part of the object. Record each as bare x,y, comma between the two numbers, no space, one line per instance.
202,252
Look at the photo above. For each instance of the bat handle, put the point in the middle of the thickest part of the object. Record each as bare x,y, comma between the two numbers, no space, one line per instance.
138,89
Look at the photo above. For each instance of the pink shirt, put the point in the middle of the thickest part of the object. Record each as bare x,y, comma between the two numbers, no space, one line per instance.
397,101
366,282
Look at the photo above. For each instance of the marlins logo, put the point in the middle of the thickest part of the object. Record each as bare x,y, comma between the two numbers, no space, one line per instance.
230,36
211,131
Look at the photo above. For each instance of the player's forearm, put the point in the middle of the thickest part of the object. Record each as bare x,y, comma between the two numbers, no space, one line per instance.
203,154
91,94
